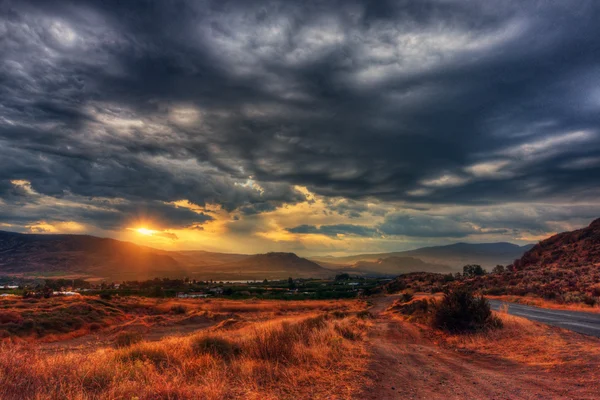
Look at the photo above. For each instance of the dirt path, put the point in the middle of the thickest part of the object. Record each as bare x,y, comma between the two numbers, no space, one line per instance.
408,365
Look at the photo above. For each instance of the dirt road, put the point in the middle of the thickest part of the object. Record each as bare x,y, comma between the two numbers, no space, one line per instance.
409,365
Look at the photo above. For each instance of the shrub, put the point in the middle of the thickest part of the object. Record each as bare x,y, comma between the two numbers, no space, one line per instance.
9,316
179,309
461,311
274,343
406,297
147,353
418,310
94,326
472,270
106,296
347,331
125,339
590,301
215,346
339,314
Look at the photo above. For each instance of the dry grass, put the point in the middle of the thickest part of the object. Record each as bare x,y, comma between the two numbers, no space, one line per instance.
531,343
63,318
319,356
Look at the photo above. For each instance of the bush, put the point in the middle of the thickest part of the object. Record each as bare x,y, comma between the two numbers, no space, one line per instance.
472,270
125,339
275,344
406,297
215,346
418,310
147,353
106,296
461,311
179,309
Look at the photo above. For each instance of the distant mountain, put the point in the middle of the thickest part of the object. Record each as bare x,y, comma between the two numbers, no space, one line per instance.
84,256
270,266
455,256
199,258
396,266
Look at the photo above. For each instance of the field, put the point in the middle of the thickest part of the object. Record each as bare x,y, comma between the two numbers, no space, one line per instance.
264,349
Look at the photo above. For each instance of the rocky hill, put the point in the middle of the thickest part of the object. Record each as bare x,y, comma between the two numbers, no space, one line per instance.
564,268
565,250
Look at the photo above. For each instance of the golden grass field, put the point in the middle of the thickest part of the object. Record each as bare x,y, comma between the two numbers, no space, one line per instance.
255,349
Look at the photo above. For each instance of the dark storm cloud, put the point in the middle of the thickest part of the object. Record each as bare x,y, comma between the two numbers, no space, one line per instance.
457,102
428,226
335,230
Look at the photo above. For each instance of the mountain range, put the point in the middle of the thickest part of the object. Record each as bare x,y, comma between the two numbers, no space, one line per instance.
438,258
52,255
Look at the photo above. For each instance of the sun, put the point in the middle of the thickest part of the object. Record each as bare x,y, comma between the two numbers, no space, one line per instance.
145,231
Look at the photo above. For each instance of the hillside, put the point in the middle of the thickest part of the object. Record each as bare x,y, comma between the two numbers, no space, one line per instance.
48,255
199,258
488,255
567,250
564,268
82,255
270,266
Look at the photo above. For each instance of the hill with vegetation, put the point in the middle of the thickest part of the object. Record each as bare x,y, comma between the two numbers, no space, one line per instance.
564,268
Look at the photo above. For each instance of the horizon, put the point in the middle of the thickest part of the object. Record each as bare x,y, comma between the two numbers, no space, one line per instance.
308,256
314,128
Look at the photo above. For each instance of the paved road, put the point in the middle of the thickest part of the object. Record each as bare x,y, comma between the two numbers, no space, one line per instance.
582,322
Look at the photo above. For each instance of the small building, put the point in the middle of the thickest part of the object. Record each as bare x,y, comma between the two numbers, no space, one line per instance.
192,295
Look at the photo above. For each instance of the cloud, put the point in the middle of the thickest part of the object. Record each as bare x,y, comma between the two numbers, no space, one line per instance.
335,230
431,103
430,226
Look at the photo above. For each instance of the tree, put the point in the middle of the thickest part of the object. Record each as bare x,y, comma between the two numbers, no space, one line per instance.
157,291
291,283
342,277
498,269
472,270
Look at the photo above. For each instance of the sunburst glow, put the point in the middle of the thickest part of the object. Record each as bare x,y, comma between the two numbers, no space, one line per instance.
145,231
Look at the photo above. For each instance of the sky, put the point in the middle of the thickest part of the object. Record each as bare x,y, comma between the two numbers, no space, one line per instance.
316,127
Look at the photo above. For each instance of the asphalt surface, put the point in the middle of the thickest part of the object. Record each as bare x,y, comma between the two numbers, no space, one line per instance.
577,321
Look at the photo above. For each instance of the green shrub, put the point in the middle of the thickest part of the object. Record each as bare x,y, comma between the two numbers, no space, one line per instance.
461,311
